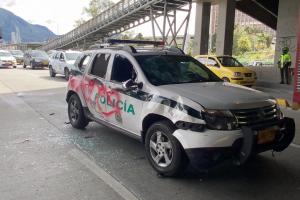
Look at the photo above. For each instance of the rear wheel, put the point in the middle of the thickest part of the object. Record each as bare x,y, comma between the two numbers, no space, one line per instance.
51,72
163,150
76,114
24,65
67,74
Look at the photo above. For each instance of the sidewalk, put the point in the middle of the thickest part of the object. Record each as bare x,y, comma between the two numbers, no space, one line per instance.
282,91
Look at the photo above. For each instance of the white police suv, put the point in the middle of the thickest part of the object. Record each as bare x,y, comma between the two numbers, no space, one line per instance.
179,109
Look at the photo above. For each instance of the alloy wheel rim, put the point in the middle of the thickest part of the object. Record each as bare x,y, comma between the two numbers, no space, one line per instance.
74,111
161,149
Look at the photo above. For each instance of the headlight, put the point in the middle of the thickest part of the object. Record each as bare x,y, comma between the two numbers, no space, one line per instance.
190,126
220,120
278,112
237,74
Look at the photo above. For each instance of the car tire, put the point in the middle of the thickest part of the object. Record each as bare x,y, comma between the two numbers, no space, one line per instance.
24,65
51,72
67,74
76,114
166,154
32,65
225,79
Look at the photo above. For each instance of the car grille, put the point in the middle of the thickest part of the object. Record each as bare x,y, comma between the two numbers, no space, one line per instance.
248,74
250,117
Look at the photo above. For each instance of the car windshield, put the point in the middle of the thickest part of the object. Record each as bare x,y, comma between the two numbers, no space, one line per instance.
72,56
3,53
174,69
39,54
227,61
16,53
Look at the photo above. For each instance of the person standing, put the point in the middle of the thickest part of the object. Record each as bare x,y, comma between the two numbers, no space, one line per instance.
284,64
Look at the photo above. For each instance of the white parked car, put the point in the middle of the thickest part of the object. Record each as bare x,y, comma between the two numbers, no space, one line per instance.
7,59
62,62
181,111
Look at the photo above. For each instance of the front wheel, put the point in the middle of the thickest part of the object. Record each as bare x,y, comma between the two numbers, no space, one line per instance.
163,150
67,74
51,72
76,114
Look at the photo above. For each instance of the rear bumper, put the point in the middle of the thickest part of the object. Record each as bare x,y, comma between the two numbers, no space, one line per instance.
242,147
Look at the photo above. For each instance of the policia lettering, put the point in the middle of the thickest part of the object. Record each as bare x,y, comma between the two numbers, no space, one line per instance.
116,103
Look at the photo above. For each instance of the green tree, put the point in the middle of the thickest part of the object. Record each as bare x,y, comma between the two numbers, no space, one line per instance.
139,36
94,8
244,44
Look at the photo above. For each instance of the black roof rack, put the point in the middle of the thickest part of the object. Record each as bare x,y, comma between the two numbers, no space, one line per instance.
146,42
110,42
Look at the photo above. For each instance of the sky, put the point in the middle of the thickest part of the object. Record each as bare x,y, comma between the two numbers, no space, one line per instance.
60,15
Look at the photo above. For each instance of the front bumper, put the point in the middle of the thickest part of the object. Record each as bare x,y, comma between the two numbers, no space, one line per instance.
206,149
40,64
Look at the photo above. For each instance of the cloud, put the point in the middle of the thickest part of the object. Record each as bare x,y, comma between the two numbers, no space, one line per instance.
49,21
7,3
10,3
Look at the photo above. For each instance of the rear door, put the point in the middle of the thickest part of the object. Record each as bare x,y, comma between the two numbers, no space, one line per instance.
94,85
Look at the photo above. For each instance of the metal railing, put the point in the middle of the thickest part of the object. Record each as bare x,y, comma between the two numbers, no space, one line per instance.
120,17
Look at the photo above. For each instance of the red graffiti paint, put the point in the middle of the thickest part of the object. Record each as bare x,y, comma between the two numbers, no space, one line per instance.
89,87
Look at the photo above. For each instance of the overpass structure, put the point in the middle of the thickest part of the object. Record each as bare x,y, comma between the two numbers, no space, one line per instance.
125,15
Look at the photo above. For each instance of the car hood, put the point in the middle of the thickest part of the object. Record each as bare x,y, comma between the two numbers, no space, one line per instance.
71,62
10,58
220,95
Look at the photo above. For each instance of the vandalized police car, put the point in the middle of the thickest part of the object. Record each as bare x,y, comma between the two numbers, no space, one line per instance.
179,109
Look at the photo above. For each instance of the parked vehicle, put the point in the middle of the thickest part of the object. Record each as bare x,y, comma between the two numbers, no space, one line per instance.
181,111
256,63
19,56
229,69
7,60
36,59
62,62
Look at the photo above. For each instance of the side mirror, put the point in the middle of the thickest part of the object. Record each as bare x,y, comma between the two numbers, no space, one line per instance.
131,85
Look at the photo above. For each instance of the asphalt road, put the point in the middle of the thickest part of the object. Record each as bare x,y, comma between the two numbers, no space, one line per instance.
43,157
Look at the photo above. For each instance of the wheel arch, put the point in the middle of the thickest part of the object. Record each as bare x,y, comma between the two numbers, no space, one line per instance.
69,94
149,120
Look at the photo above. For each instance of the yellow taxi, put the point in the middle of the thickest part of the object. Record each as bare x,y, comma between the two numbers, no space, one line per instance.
229,69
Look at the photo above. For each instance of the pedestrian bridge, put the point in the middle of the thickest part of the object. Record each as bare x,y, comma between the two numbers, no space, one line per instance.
122,16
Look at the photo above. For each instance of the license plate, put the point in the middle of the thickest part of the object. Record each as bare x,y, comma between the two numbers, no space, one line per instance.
266,135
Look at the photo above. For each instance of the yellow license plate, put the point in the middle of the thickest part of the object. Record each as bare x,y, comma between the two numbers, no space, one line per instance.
266,135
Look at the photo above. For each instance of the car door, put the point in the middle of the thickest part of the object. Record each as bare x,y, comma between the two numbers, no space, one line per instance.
61,63
94,85
55,62
123,107
214,66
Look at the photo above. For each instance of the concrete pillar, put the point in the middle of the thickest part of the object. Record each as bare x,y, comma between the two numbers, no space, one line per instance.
286,35
225,28
202,21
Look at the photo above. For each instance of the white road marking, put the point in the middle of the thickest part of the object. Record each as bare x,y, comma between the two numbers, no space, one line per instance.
103,175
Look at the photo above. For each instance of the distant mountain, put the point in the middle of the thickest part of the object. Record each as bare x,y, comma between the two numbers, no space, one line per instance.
9,23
